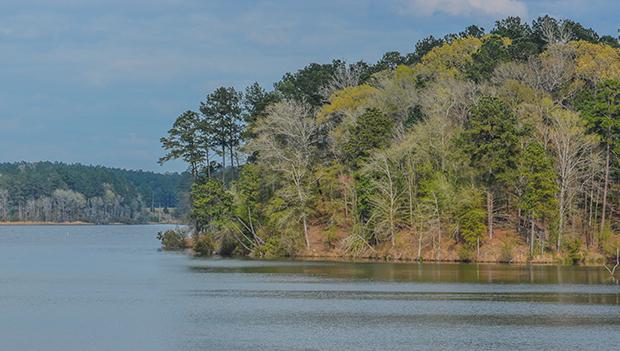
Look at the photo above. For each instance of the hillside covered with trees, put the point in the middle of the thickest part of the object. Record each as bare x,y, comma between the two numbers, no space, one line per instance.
495,145
58,192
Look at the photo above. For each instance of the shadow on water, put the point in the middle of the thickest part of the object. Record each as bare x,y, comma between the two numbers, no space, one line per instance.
412,272
366,281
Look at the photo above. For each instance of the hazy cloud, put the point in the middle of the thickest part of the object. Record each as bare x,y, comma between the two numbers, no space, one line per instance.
465,7
101,81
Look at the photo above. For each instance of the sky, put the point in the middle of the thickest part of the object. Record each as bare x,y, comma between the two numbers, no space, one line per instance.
99,82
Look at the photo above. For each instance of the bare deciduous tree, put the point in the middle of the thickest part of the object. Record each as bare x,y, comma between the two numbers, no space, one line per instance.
286,141
573,149
344,76
554,32
386,199
452,98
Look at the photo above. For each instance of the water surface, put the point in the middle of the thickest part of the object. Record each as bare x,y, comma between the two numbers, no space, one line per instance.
109,288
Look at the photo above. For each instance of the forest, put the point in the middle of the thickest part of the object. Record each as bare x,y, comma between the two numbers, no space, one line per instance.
58,192
497,145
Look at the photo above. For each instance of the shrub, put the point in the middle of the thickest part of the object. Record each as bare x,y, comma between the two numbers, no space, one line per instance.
505,254
273,247
572,251
466,254
172,240
203,245
228,246
330,238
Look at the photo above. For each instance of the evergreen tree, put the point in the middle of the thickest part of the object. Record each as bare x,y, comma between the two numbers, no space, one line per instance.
540,189
222,111
492,141
520,33
601,108
305,85
255,102
491,53
372,130
184,141
211,205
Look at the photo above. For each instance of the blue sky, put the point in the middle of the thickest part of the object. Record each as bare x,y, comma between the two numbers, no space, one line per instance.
99,82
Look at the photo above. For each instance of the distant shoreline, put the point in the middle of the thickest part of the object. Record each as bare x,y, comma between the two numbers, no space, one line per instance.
44,223
76,223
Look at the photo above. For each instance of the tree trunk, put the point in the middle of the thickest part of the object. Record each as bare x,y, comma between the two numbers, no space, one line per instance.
589,229
306,230
208,165
438,228
605,189
419,246
490,213
562,210
542,242
224,163
194,172
232,155
532,237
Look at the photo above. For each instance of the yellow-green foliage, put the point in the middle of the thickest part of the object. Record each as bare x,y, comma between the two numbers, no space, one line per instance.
349,101
396,92
438,148
450,60
596,62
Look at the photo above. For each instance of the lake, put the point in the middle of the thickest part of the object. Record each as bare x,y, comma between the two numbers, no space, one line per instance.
109,288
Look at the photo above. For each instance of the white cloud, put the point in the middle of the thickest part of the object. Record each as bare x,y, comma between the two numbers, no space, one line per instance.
465,7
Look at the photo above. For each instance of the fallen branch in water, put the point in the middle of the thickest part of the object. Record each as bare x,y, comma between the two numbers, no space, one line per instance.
612,271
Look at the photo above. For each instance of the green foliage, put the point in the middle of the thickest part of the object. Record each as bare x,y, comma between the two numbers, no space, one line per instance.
203,245
272,248
506,250
472,31
425,46
373,130
520,34
248,189
185,141
408,147
211,205
492,52
491,138
466,254
390,61
330,238
572,251
255,102
172,240
305,85
53,191
363,191
601,108
222,125
538,178
249,194
471,216
610,243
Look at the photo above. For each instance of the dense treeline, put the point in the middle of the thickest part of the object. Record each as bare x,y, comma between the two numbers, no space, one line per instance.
497,145
58,192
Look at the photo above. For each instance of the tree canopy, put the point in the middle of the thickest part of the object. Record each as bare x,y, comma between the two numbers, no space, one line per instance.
511,132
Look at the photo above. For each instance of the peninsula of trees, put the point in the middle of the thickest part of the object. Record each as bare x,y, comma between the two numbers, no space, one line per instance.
486,146
58,192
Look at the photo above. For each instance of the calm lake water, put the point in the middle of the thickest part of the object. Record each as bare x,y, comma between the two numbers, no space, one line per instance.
109,288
